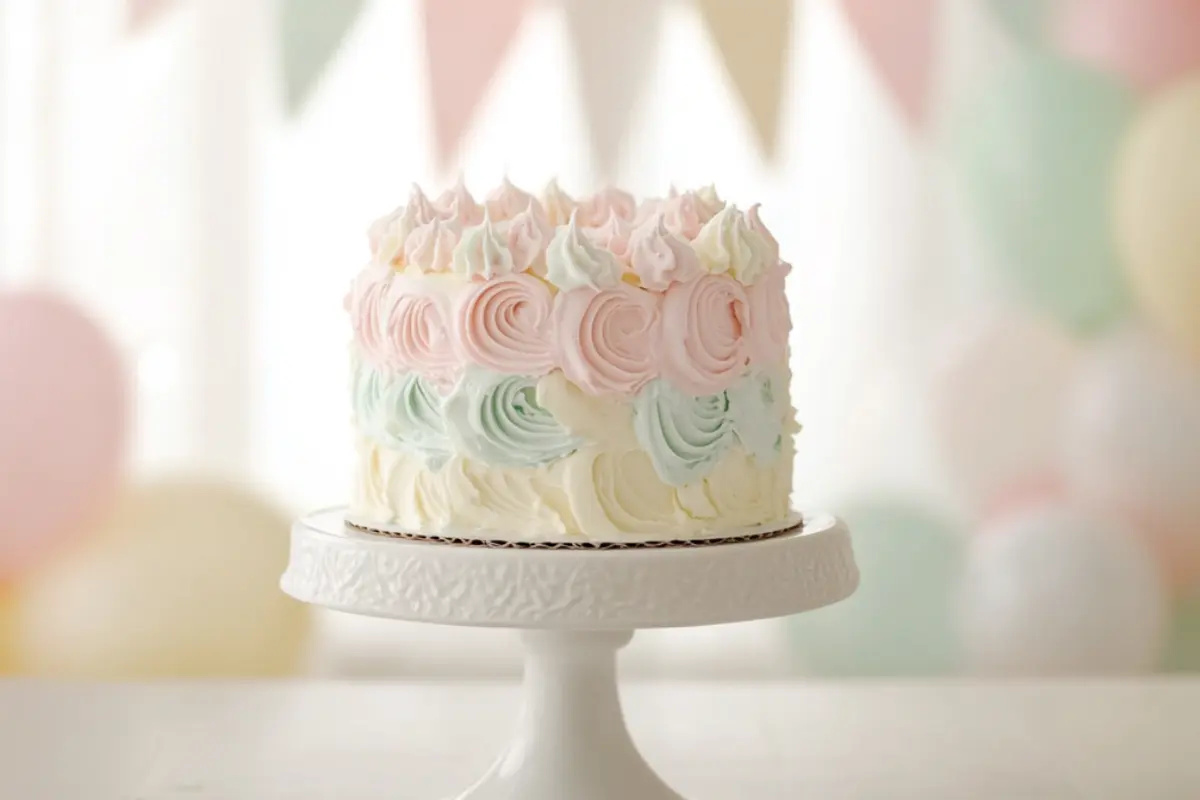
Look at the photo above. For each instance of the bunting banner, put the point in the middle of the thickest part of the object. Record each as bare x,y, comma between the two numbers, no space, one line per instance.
753,38
465,42
313,31
615,42
1025,20
141,13
898,36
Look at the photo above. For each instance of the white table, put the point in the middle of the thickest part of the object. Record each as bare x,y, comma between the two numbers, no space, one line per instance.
1130,740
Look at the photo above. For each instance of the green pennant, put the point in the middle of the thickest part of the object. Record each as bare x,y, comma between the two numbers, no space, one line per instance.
1025,21
312,31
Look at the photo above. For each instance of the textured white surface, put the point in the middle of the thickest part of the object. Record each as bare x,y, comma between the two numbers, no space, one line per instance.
573,589
1056,740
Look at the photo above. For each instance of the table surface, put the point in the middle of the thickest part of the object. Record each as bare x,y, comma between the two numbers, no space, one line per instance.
735,741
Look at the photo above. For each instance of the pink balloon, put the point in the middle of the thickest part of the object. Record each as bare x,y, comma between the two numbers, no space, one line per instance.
1148,42
62,424
1033,490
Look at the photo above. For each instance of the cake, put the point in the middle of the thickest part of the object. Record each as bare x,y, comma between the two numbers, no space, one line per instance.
555,370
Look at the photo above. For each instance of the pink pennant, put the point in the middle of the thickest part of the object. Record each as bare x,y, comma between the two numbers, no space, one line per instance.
466,41
898,36
140,13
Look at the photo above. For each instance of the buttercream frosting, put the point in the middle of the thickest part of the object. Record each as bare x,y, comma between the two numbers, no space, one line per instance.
506,325
727,243
660,258
430,247
702,346
603,336
558,204
498,419
574,262
613,236
387,235
683,435
595,210
507,201
770,317
457,205
418,331
558,369
483,251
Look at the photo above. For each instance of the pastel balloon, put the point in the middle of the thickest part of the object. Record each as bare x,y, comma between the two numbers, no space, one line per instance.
901,619
1149,43
1132,442
1033,154
1158,212
1056,590
62,424
1183,644
8,631
182,581
998,400
1026,20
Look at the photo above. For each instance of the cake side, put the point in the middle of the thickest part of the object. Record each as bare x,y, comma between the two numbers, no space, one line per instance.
549,369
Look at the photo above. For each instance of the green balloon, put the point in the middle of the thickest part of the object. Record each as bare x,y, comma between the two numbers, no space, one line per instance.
1183,643
1034,153
1025,20
902,621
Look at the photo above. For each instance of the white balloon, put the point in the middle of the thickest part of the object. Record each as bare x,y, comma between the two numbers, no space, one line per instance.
998,403
1133,437
1055,590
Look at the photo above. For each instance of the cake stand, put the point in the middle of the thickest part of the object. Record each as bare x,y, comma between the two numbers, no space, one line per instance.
576,609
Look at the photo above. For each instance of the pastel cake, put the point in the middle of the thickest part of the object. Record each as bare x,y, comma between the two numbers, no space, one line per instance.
549,369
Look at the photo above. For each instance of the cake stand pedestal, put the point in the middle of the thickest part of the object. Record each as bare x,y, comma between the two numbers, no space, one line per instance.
576,609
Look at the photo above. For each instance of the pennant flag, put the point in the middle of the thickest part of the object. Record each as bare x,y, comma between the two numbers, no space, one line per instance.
465,42
898,36
313,31
752,37
614,43
1025,20
140,13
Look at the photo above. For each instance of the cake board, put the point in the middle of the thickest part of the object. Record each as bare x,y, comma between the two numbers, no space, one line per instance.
575,609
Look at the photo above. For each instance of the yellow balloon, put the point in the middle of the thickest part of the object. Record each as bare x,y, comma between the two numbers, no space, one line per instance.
8,630
1158,212
183,581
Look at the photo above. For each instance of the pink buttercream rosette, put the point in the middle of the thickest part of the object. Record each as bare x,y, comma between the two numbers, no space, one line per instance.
703,342
417,335
506,325
606,338
770,317
365,304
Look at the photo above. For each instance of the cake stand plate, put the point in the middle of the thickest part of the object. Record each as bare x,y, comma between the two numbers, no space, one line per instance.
576,609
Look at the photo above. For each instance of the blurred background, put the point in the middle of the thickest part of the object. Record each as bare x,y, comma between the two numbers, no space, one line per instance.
993,207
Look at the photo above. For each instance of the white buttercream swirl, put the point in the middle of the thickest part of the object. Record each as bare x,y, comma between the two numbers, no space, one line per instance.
727,243
483,252
573,261
430,247
558,204
388,235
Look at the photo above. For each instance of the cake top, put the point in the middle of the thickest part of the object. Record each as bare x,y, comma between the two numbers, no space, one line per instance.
599,241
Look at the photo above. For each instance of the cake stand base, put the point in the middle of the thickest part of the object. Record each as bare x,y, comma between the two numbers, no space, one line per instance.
576,610
571,740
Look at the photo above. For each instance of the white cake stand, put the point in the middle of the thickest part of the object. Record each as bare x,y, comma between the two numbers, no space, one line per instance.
576,609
